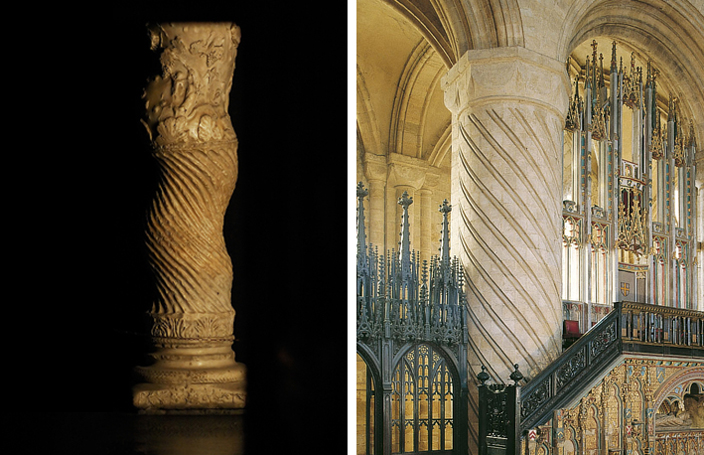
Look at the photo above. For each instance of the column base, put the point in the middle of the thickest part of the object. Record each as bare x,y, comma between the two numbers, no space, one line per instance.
226,398
196,376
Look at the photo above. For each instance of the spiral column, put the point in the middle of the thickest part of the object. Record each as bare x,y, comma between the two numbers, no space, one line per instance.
191,364
508,109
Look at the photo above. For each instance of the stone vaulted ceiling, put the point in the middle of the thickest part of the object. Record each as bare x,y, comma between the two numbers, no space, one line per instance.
400,107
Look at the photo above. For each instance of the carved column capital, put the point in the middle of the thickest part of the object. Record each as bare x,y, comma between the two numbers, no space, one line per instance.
508,113
375,167
406,171
432,178
189,101
516,74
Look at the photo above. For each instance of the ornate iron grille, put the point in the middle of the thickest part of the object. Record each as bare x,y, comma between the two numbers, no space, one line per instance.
400,298
421,402
412,334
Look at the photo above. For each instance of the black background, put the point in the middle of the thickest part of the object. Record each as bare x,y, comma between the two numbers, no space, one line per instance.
79,178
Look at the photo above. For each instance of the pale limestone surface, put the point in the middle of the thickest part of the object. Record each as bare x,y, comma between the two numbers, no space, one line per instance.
192,362
508,107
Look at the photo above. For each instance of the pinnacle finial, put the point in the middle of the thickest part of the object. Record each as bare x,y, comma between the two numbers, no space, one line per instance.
405,243
361,191
361,234
405,201
483,376
516,375
445,209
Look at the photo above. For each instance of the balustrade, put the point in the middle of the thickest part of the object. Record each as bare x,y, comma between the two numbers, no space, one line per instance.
661,326
629,328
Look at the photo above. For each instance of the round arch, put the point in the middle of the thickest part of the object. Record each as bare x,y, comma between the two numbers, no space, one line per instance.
683,378
453,27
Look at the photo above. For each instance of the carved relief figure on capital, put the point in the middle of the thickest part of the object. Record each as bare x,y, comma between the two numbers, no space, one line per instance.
189,101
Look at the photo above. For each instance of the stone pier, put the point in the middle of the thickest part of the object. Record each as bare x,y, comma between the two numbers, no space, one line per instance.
508,107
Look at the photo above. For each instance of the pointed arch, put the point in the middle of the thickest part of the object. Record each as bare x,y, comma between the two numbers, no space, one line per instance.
426,385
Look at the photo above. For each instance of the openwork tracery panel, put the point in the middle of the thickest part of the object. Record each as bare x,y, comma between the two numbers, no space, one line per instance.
628,171
422,402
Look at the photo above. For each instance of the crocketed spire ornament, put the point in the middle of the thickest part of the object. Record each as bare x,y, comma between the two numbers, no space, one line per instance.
399,296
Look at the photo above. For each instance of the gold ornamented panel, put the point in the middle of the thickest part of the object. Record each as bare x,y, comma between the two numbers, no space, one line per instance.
643,406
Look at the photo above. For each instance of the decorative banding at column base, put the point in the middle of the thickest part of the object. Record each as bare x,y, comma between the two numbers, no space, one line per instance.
156,398
232,373
190,374
194,326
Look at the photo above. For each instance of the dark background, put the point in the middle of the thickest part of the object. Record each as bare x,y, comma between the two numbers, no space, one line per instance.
80,180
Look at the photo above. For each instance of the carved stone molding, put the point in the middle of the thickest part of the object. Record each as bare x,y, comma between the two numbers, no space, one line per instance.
407,171
189,101
375,167
193,326
196,395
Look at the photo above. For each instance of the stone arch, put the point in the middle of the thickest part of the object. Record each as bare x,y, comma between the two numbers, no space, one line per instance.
452,27
670,33
684,377
676,389
442,147
418,83
367,130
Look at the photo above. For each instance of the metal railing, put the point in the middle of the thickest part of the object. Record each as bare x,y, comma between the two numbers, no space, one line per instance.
630,328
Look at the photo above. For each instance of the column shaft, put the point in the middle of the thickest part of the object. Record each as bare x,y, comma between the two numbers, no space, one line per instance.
376,213
508,110
426,226
192,365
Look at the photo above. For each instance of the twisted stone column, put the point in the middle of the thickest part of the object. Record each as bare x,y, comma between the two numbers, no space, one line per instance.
508,109
192,362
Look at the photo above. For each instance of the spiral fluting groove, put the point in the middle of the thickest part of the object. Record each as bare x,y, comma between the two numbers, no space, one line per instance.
192,268
196,149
